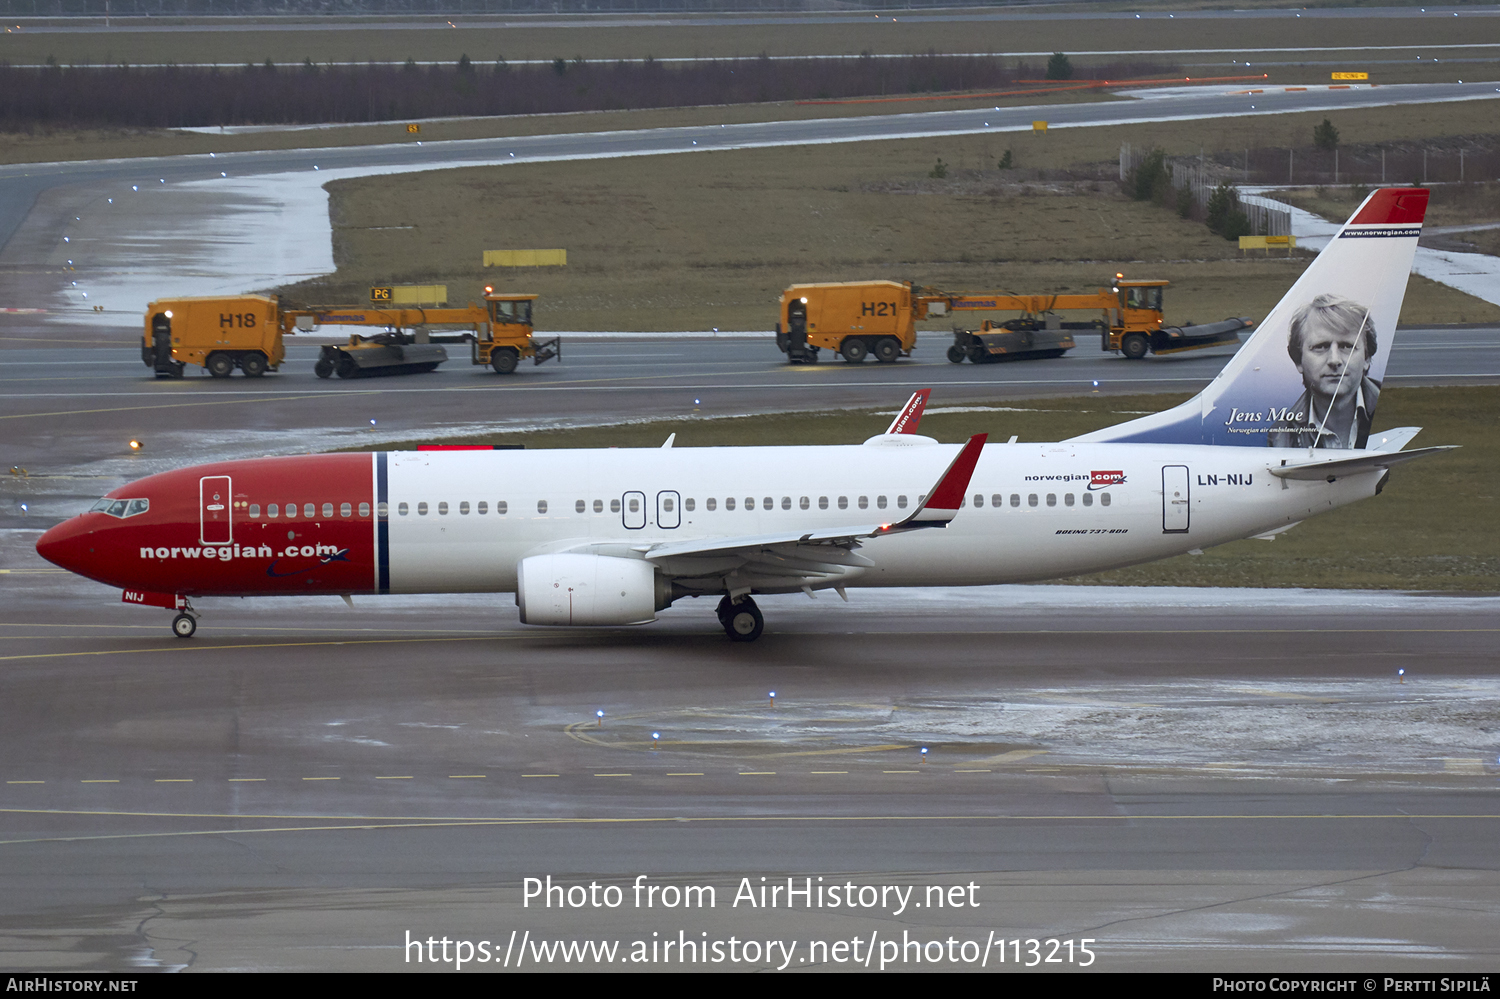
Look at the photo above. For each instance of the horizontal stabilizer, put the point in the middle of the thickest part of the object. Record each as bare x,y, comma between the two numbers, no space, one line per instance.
1369,461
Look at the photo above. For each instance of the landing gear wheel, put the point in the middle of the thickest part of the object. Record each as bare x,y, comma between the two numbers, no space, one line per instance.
743,622
504,360
956,354
183,625
324,368
887,350
253,365
1133,346
219,364
854,350
345,367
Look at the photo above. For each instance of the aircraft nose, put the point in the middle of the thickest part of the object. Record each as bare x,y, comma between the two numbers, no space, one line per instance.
66,545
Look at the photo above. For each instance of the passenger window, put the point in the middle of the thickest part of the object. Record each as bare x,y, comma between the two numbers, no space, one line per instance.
255,510
864,502
463,508
541,506
364,509
635,505
768,505
667,504
997,501
822,502
483,508
843,502
401,509
880,502
1068,499
710,504
1104,499
729,502
422,509
978,500
749,502
272,511
1088,499
1052,499
598,506
328,509
580,507
901,502
688,504
614,506
310,510
802,504
382,510
1031,500
501,507
1015,499
345,510
291,510
443,509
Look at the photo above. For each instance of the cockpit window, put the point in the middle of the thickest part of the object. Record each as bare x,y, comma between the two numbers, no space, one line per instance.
121,508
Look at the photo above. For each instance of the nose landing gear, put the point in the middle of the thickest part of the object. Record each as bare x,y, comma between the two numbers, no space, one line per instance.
185,623
742,621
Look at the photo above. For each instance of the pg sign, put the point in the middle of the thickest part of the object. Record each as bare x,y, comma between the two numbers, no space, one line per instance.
382,295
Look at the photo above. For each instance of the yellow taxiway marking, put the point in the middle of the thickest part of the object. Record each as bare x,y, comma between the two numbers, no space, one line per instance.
611,775
828,771
98,782
322,778
25,782
900,771
1014,756
174,780
543,775
395,778
466,776
684,775
254,645
362,823
973,771
243,780
757,773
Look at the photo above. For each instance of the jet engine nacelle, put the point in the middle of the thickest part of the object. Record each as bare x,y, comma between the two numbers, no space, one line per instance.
587,589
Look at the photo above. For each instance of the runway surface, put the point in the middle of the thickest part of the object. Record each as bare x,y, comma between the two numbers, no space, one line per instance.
1216,780
226,223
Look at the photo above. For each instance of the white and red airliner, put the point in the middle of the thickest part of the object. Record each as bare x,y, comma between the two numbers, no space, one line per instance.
611,537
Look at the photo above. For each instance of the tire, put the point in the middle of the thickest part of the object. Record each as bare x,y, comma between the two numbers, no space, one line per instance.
956,354
887,350
183,625
254,365
743,622
1133,346
504,360
811,357
345,367
854,349
219,364
324,368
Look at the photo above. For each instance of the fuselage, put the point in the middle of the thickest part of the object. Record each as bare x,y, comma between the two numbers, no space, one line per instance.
461,521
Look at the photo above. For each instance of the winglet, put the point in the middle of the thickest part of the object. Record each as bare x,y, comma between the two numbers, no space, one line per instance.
910,416
943,503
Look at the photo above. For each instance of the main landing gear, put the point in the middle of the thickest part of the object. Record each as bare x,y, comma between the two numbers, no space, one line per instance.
186,622
742,621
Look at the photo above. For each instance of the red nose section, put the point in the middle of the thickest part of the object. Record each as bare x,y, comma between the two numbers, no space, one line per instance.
67,545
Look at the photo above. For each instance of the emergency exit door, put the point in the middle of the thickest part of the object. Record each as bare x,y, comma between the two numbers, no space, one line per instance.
1175,499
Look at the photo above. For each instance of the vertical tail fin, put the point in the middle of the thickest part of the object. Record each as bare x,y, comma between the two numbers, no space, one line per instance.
1310,376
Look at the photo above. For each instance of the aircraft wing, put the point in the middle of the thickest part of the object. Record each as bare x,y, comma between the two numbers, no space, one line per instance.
939,507
1369,461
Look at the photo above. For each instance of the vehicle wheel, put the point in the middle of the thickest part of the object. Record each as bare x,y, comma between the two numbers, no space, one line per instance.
887,350
345,367
219,364
956,354
253,365
1133,346
744,623
854,350
504,360
324,368
183,625
811,357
